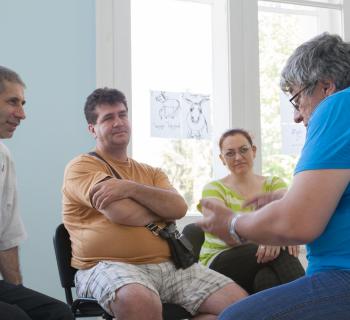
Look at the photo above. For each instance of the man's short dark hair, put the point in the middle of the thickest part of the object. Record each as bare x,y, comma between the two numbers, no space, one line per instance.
102,96
9,75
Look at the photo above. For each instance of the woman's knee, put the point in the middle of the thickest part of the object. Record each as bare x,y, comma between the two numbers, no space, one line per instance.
265,278
287,267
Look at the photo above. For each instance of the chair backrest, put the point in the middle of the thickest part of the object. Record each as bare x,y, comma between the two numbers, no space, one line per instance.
196,236
63,251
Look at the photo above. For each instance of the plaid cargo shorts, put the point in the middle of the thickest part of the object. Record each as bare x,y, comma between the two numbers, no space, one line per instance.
188,288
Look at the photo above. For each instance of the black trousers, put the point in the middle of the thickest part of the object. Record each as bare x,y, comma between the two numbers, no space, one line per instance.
239,264
20,303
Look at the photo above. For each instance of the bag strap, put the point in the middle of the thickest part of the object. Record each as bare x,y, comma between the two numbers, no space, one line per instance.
155,229
96,155
158,231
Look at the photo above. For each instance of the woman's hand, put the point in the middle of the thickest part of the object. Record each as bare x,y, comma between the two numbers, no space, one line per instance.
294,251
267,253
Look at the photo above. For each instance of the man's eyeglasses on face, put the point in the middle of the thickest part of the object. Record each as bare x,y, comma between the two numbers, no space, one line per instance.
295,99
241,151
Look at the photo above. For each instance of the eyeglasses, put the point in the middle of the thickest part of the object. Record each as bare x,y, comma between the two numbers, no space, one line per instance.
241,151
295,99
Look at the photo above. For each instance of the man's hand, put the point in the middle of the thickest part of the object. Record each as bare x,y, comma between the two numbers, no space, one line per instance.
263,199
9,266
106,192
216,220
267,253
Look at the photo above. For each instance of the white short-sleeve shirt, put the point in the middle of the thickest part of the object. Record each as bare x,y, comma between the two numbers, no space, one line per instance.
12,231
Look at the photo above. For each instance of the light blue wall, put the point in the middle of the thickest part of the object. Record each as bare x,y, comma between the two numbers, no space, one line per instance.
51,44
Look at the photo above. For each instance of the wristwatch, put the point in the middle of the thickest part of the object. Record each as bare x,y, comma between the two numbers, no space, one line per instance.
232,230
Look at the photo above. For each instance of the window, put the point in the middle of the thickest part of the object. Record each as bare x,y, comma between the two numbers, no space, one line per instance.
168,47
209,47
282,27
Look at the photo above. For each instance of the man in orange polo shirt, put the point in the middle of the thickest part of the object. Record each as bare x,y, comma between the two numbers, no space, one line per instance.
121,263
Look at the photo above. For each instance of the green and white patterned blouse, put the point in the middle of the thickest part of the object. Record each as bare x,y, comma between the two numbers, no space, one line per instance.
212,245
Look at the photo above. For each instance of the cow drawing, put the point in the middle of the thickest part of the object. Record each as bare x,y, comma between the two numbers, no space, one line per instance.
195,119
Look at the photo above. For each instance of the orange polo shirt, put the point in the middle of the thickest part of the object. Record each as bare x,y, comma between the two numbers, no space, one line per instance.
93,236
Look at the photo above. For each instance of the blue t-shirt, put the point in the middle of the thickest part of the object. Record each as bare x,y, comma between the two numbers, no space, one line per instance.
327,146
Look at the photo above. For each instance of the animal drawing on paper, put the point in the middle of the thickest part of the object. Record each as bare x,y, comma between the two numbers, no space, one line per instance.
197,125
169,108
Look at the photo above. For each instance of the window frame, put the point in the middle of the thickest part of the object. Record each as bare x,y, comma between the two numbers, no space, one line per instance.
238,63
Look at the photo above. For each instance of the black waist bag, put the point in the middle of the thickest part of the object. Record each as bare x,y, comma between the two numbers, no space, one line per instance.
180,248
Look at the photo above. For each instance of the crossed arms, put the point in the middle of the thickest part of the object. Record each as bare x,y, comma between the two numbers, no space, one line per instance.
130,203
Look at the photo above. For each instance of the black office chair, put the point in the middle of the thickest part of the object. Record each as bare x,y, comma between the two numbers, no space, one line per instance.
81,307
196,236
88,307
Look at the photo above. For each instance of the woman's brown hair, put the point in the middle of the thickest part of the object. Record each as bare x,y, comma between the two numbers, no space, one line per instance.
233,132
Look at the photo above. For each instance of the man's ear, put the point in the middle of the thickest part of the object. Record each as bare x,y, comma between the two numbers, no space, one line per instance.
328,87
91,129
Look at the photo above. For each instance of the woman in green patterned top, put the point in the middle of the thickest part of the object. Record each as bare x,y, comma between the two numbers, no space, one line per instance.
254,267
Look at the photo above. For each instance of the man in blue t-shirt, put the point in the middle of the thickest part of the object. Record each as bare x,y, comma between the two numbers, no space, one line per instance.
327,149
316,209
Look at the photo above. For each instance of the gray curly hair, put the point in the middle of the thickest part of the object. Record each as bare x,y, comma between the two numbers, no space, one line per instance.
324,57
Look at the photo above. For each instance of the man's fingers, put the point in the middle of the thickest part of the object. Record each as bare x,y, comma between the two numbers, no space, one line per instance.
249,202
257,201
200,223
94,199
104,203
206,203
203,224
97,199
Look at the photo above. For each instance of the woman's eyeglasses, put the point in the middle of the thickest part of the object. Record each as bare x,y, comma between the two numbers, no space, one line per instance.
241,151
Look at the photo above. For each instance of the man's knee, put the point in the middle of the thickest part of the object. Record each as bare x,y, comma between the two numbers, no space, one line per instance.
222,298
233,292
136,298
12,312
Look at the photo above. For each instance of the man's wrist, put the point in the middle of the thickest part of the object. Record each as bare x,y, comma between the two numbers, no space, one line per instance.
131,189
233,232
